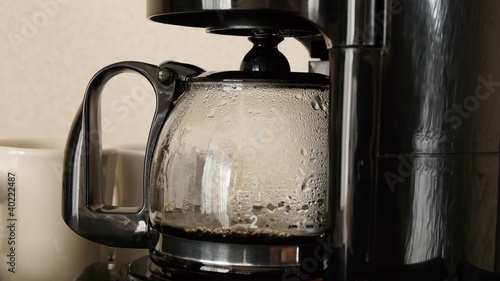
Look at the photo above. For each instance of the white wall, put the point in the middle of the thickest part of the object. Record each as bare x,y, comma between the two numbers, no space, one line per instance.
51,48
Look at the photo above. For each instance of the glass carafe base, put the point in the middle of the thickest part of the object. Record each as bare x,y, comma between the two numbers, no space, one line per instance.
178,256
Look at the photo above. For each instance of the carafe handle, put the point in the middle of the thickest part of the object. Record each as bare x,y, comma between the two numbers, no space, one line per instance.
83,208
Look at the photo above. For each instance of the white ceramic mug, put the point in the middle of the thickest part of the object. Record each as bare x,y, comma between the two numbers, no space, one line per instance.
35,243
122,179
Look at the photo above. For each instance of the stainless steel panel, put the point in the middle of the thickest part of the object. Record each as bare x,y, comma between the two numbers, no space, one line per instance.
441,83
426,111
353,135
437,207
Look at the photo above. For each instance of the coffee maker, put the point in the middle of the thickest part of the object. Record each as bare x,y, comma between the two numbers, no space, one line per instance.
413,138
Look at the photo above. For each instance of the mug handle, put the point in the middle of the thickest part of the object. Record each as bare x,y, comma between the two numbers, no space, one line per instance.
83,208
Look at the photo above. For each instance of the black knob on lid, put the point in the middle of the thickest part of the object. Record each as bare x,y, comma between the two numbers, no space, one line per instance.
265,56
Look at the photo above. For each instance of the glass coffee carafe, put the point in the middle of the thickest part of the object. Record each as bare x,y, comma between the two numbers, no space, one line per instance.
242,161
235,171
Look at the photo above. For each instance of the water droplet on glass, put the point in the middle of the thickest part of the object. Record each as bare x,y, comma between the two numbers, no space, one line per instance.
271,208
315,105
281,205
306,184
320,202
323,106
306,187
211,113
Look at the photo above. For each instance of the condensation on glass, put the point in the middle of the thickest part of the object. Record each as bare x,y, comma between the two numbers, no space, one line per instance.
243,159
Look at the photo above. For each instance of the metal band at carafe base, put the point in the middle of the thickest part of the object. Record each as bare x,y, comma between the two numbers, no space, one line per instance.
230,254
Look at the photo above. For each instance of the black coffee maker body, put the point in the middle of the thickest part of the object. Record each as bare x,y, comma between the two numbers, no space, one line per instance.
415,140
413,127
